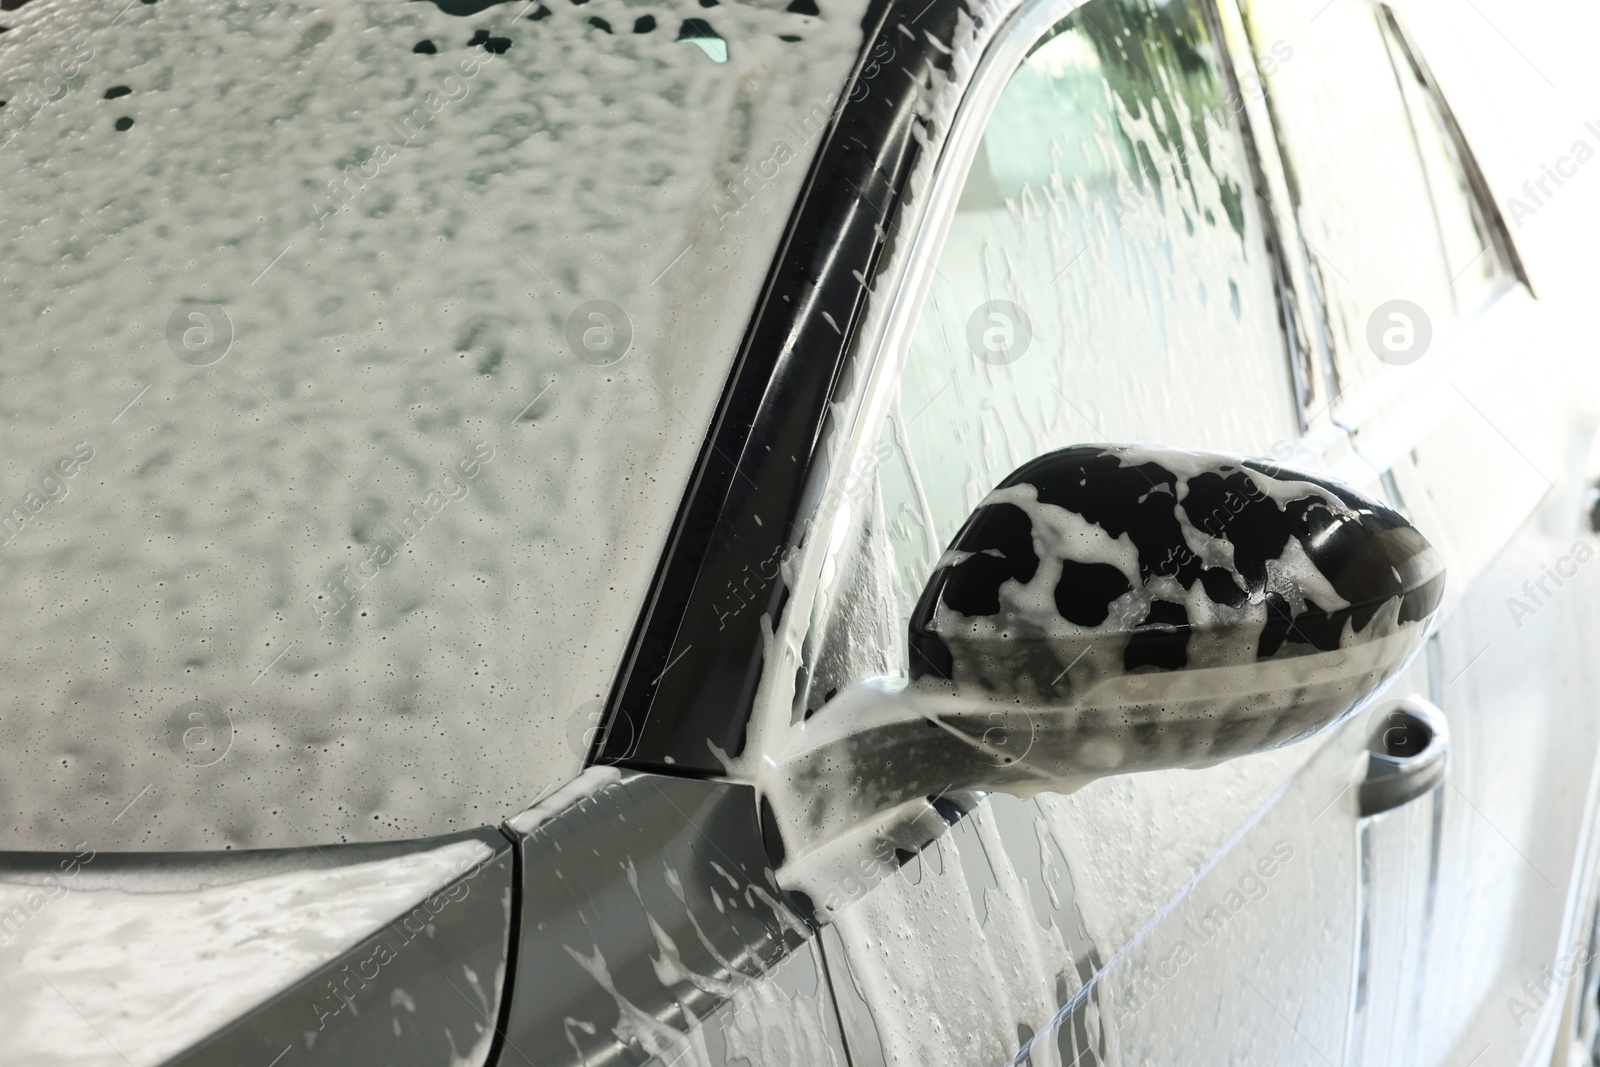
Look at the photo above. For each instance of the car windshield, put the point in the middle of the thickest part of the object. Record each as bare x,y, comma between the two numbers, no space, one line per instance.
354,363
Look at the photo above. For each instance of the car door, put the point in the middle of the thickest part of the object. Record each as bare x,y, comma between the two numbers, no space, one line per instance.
1451,382
1096,261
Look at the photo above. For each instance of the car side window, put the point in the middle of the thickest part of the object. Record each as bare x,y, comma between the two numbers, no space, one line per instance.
1383,198
1105,277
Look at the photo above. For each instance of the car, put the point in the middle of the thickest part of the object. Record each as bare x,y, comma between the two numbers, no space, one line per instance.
848,531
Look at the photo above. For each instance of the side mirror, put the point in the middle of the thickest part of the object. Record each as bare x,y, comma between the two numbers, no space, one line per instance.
1115,609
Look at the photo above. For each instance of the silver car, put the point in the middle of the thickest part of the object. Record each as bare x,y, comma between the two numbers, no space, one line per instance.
838,532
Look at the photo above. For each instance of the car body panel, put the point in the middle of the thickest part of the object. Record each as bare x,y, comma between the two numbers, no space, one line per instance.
424,989
132,957
1517,683
699,651
653,931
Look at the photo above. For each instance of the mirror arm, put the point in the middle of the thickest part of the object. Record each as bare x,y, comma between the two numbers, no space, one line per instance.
882,744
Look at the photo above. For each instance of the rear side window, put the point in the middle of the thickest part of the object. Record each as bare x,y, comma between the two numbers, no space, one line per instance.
1472,233
1384,187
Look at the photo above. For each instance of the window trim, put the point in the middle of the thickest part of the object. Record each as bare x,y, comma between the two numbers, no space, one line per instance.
882,344
689,678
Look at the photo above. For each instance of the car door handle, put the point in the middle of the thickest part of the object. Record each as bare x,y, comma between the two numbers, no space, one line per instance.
1406,757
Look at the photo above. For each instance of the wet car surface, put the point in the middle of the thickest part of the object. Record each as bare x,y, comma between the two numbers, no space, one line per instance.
773,533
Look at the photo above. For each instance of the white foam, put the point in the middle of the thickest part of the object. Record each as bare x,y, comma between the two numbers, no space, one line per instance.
374,347
113,976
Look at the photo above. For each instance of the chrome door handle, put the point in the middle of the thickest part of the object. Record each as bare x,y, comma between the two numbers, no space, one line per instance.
1406,756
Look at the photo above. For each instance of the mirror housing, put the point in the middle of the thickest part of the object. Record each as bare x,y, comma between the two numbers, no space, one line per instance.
1111,609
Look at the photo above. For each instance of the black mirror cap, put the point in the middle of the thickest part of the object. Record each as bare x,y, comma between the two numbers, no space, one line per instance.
1094,560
